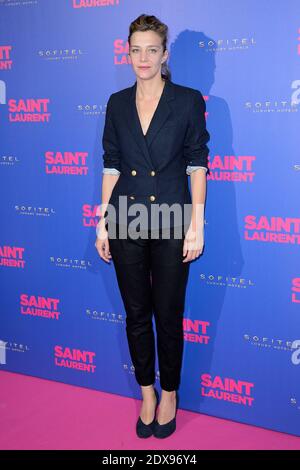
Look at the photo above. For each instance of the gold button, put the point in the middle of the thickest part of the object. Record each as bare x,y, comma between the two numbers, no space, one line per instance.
152,198
152,173
132,197
133,172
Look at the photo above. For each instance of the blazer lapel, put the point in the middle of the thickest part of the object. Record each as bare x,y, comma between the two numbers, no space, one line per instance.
161,114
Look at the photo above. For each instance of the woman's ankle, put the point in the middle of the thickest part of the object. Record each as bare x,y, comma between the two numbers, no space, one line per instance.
147,391
168,395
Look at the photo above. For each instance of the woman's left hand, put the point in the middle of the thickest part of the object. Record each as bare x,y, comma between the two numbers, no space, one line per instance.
193,242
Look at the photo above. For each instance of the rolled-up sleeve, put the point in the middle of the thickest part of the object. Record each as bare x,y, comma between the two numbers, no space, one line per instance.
111,155
110,171
190,169
195,149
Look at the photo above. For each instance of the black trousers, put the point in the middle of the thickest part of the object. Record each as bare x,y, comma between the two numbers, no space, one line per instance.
152,278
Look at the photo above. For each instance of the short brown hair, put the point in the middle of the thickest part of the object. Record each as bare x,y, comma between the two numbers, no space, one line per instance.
152,23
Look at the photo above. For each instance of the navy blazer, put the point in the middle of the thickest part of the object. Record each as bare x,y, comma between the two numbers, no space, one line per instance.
153,167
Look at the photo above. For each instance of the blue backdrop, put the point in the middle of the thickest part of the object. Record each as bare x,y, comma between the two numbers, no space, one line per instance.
62,316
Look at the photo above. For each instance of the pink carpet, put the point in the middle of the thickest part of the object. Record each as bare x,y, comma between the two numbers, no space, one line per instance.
42,414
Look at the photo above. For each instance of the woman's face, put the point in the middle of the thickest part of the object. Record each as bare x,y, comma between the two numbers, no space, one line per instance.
146,53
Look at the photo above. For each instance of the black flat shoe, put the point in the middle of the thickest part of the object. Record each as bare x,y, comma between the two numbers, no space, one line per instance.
165,430
146,430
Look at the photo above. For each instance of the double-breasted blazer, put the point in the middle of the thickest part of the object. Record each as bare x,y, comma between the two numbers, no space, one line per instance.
154,168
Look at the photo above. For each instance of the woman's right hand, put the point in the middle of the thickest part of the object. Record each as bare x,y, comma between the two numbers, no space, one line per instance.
102,242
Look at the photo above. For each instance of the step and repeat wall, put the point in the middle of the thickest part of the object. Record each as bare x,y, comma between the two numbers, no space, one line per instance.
62,317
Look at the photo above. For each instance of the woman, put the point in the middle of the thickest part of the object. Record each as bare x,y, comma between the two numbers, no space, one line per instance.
154,137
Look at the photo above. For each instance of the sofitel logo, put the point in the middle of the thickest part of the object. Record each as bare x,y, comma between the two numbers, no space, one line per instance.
195,331
39,306
276,106
5,57
34,211
232,44
66,163
60,54
232,168
227,389
72,263
12,256
74,359
268,343
29,110
92,109
19,3
8,160
272,229
94,3
105,316
226,281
